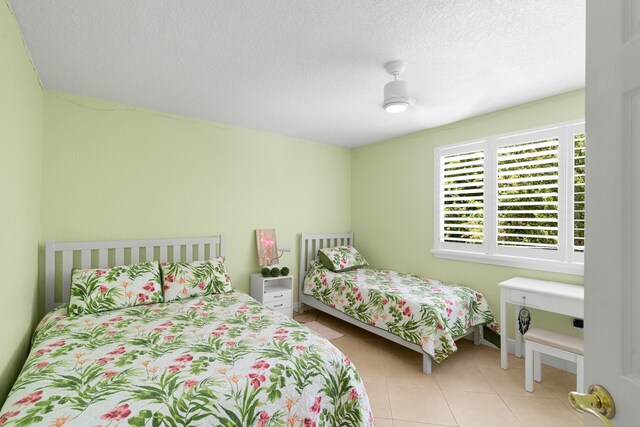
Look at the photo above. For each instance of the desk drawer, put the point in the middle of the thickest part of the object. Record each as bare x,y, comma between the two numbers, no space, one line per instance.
279,295
532,299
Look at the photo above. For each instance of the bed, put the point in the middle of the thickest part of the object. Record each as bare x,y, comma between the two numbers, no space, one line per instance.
424,315
218,359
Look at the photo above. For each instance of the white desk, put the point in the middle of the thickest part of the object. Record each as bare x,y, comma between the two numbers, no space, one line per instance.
555,297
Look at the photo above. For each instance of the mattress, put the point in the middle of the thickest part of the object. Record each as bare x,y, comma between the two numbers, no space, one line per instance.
425,312
216,360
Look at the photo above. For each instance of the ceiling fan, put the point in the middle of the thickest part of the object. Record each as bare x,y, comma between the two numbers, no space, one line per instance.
427,114
396,92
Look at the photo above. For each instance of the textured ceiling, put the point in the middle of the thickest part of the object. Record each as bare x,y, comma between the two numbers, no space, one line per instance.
311,69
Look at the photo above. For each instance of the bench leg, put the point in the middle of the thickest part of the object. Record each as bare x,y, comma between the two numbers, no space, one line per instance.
580,374
528,367
537,367
426,363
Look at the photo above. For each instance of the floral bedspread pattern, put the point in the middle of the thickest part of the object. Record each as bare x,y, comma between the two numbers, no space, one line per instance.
422,311
221,359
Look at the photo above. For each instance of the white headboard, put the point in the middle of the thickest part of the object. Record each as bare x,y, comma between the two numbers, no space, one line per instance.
309,245
61,257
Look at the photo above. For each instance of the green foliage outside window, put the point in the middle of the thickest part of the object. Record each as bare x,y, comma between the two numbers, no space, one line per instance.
527,211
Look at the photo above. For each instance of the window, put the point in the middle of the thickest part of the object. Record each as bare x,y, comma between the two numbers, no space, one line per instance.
515,199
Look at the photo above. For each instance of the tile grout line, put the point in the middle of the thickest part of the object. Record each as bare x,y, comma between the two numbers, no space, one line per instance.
386,388
573,411
499,395
445,399
484,376
511,410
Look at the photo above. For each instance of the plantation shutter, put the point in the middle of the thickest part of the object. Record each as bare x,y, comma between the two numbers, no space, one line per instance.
462,197
515,199
527,195
578,191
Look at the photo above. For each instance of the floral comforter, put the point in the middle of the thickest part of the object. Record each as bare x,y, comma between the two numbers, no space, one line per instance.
221,360
422,311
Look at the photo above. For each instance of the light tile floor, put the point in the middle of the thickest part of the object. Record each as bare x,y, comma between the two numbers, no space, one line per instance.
467,389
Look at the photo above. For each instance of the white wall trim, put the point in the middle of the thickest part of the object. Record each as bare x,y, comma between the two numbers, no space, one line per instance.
512,261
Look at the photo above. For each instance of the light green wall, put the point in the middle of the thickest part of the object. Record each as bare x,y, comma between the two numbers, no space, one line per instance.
392,200
20,173
112,171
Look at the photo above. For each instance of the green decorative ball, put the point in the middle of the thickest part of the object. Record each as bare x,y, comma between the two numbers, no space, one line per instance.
265,272
284,271
275,272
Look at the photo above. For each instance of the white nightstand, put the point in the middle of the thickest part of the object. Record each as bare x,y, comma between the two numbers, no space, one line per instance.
274,292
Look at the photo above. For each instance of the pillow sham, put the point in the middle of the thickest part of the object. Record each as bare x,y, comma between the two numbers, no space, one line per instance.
184,280
104,289
341,258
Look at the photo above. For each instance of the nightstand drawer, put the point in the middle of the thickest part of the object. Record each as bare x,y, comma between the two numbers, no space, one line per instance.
277,295
277,305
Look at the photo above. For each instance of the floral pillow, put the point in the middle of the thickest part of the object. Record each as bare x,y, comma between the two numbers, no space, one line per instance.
104,289
341,258
184,280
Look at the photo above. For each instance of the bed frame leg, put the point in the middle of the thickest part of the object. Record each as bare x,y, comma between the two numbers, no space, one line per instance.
478,335
426,363
300,308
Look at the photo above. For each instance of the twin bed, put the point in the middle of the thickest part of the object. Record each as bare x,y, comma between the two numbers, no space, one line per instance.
424,315
222,358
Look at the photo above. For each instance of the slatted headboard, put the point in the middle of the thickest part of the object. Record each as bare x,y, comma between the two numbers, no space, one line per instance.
309,245
61,257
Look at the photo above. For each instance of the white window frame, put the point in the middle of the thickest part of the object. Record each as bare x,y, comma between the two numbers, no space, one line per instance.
565,259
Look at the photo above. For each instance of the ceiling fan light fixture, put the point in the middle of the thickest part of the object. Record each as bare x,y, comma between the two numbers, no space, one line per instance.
396,92
396,106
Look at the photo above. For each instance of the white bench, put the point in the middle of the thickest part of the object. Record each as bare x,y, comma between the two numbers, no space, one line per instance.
563,346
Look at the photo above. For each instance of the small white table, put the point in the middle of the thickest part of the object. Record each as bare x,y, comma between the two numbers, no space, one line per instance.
274,292
555,297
